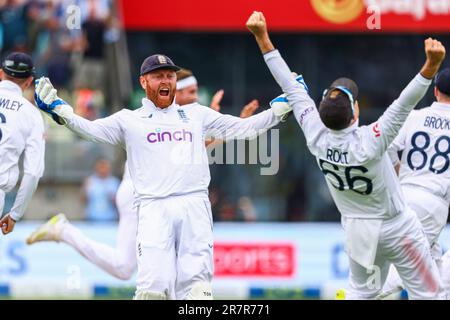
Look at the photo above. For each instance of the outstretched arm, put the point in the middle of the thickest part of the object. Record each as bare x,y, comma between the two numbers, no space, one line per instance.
247,111
106,130
392,120
226,127
304,108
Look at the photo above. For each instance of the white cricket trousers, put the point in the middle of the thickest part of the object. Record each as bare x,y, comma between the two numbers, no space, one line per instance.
403,243
120,260
174,247
445,272
432,212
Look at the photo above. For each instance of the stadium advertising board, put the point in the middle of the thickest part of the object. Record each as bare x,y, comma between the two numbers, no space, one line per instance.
247,257
293,15
257,260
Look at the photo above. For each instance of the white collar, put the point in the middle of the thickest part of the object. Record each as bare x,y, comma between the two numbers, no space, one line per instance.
9,85
440,105
351,128
148,103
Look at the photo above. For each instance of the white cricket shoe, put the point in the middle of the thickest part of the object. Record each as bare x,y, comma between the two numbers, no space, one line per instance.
392,294
49,231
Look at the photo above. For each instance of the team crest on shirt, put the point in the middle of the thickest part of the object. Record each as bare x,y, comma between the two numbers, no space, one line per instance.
376,130
182,115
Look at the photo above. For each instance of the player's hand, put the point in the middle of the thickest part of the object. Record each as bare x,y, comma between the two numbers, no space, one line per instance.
45,91
216,99
7,224
47,100
257,25
249,109
435,51
280,106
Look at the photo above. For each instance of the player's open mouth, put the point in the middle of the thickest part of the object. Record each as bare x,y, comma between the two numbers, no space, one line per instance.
164,92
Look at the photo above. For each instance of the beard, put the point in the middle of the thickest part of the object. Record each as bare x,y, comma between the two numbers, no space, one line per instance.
159,100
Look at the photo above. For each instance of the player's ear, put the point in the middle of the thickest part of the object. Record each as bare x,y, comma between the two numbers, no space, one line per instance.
29,82
436,93
143,82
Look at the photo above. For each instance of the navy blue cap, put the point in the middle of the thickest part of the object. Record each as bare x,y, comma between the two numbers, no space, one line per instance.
443,81
18,65
347,83
157,61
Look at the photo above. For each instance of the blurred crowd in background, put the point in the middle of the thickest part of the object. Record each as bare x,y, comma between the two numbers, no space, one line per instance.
94,63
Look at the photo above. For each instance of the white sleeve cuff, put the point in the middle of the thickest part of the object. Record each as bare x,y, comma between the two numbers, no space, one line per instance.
64,111
15,216
271,54
423,80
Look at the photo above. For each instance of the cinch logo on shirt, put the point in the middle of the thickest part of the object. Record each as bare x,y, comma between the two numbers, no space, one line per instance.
164,136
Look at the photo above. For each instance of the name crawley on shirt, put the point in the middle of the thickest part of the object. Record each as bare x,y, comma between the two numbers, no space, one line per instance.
10,105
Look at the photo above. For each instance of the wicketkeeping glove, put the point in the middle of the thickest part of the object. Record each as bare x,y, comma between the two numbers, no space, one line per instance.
47,100
280,105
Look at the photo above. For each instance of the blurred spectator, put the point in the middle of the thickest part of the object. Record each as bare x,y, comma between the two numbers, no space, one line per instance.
245,205
54,42
223,209
100,8
99,192
91,73
90,78
89,103
13,25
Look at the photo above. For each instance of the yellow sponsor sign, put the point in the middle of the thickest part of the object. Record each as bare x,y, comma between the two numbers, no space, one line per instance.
338,11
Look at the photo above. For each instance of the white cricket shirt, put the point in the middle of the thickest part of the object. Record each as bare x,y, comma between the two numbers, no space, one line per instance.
165,148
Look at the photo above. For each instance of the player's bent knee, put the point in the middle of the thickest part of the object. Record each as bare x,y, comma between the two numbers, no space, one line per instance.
149,295
200,290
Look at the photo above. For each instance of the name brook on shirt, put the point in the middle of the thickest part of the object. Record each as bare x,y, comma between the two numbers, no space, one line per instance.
437,123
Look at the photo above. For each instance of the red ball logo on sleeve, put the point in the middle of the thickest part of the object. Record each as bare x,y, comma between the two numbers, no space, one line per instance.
376,130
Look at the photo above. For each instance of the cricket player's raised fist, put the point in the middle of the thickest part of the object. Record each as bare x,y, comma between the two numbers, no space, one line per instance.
435,51
256,23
